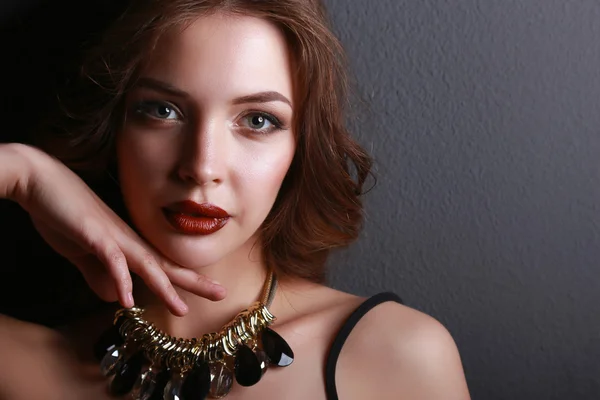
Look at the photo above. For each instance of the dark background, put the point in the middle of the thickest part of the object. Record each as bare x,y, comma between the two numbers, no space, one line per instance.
484,122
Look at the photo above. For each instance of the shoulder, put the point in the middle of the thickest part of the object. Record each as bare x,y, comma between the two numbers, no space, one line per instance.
34,353
20,339
398,352
24,346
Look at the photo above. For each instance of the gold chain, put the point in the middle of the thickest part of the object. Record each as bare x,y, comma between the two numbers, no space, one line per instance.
182,354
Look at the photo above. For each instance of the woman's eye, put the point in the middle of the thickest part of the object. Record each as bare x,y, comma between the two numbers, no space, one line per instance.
157,110
261,122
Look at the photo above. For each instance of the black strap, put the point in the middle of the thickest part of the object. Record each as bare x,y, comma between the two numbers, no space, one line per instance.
343,334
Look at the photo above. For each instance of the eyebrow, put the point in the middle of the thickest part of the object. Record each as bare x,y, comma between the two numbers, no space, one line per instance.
261,97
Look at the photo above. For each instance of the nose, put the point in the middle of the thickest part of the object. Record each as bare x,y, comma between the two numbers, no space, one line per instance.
203,155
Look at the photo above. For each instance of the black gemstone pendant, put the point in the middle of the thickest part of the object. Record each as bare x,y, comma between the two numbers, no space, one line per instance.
247,366
126,375
110,339
161,382
197,383
263,360
277,349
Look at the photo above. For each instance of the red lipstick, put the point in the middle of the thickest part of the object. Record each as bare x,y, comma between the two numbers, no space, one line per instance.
191,218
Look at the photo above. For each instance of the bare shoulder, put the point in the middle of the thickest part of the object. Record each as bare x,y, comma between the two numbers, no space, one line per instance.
20,339
34,353
398,352
24,346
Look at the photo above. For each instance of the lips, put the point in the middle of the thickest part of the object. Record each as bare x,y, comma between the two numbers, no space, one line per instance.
191,218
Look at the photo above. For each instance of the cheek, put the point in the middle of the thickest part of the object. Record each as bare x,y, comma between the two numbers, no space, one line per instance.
262,173
271,168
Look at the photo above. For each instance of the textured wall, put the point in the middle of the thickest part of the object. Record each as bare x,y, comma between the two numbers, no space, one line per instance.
484,122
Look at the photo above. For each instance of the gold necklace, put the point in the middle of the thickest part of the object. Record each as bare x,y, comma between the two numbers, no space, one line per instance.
149,364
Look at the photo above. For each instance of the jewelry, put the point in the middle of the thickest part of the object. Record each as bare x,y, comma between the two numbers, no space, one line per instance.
144,361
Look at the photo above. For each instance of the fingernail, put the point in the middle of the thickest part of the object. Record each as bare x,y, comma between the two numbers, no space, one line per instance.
181,305
130,302
219,291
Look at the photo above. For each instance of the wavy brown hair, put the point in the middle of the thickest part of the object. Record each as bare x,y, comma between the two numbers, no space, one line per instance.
319,206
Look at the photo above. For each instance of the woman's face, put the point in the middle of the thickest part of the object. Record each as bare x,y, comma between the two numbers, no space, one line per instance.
207,139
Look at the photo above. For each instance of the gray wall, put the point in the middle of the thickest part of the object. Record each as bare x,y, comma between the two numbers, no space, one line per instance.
484,125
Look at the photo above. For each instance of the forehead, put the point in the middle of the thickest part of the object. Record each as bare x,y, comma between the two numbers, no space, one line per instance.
223,55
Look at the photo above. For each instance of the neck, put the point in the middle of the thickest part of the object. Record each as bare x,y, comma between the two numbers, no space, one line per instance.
243,274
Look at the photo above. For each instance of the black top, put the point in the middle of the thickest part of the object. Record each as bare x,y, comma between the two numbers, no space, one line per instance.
343,334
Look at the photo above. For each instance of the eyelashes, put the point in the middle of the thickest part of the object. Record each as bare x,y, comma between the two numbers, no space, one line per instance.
254,121
262,122
158,110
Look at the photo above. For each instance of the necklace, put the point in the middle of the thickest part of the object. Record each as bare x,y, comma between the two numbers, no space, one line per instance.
145,362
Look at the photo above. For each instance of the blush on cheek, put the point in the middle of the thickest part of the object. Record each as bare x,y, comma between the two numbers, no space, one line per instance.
259,178
270,172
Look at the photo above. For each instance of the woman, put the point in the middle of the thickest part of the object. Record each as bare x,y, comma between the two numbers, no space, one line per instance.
223,124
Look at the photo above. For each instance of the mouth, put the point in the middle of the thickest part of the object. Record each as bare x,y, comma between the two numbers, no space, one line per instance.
191,218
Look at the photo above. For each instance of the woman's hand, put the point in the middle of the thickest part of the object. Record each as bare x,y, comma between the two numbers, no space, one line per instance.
83,229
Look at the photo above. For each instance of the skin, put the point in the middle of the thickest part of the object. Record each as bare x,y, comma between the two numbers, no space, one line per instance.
205,151
201,144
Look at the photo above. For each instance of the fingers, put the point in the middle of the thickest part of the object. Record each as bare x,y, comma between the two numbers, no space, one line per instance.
116,265
144,264
195,283
120,254
123,253
108,274
103,275
160,275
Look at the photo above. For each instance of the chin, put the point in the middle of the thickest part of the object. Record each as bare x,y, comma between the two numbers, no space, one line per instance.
189,255
193,263
200,252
